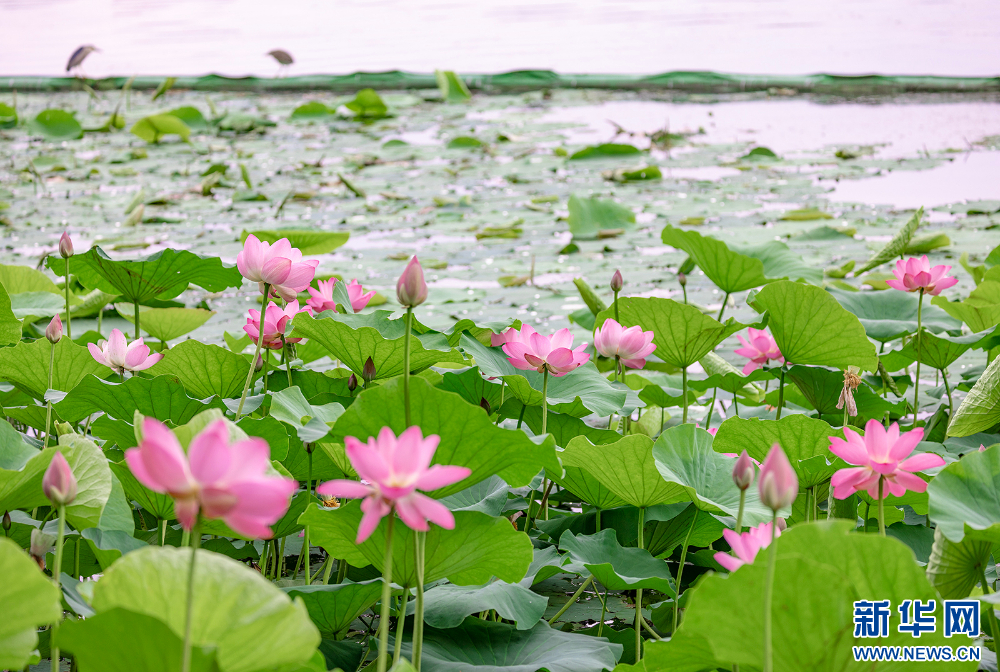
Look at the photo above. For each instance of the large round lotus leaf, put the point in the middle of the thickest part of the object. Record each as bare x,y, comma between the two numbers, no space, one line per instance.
980,409
29,600
962,498
253,624
57,125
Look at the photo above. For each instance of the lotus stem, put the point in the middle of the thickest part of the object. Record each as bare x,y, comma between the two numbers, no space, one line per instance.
400,624
711,407
881,506
256,354
286,354
638,593
48,402
545,401
990,614
916,378
572,600
383,626
324,568
418,603
76,557
406,367
947,388
723,309
768,594
739,514
57,579
135,305
195,543
680,569
502,383
604,609
617,319
341,571
162,536
69,323
684,394
781,394
328,569
305,541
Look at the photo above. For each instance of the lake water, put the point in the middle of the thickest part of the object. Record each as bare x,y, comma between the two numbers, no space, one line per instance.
190,37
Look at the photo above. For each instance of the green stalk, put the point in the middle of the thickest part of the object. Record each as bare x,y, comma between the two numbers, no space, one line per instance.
341,571
723,309
76,557
680,569
616,309
328,570
572,600
383,626
69,322
48,404
400,624
781,394
711,407
322,569
195,543
502,383
136,308
305,542
989,607
418,602
638,594
163,532
256,354
604,610
739,514
916,379
947,388
684,393
57,579
881,506
545,400
286,354
406,368
768,594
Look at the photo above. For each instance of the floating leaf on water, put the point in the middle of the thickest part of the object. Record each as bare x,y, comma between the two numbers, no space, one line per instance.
154,127
56,124
605,151
451,86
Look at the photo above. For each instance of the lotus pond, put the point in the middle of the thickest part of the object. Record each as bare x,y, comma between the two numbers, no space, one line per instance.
572,380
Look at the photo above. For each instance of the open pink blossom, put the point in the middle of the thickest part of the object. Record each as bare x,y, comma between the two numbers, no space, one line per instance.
915,274
392,470
215,478
119,355
322,299
279,265
275,322
745,546
881,453
632,345
759,349
528,350
501,338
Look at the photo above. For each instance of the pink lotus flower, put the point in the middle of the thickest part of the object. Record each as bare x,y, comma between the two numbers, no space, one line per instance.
759,349
778,486
65,245
501,338
745,546
322,298
119,355
743,471
275,322
915,274
411,290
633,345
59,483
215,478
54,331
530,351
882,453
279,265
392,470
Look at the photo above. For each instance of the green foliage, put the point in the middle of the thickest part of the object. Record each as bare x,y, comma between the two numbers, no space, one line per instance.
204,370
29,600
447,605
451,86
312,110
589,216
626,468
367,105
154,127
56,125
605,151
980,409
307,241
895,247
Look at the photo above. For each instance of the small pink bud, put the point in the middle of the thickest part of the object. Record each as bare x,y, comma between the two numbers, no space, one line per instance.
778,485
782,525
368,370
258,364
617,282
682,278
352,383
65,245
982,448
411,290
54,331
59,484
743,471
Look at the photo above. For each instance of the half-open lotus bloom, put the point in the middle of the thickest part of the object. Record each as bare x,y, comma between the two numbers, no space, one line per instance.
633,344
915,274
880,453
279,265
745,546
392,470
777,484
215,478
759,349
59,483
528,350
322,299
119,355
275,322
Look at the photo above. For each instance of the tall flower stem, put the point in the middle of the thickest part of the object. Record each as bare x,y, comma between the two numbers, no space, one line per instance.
947,388
189,610
48,403
406,365
916,379
711,407
162,536
309,490
739,514
990,615
616,307
881,506
545,401
680,568
781,394
768,595
57,579
286,354
400,624
572,600
383,625
256,354
418,602
502,383
723,309
69,323
684,393
638,594
135,306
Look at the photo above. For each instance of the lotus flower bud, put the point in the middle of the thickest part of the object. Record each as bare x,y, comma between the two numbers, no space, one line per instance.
65,245
982,448
258,364
368,371
778,485
782,525
54,331
743,471
617,282
411,290
485,405
41,544
6,521
683,279
59,483
352,383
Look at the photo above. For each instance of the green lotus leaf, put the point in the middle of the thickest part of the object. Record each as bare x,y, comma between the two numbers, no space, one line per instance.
26,366
887,316
980,410
954,568
589,216
204,370
162,397
451,86
607,150
155,126
670,529
333,608
30,600
489,497
962,497
10,325
166,324
617,567
56,125
311,423
307,241
447,605
896,247
981,310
